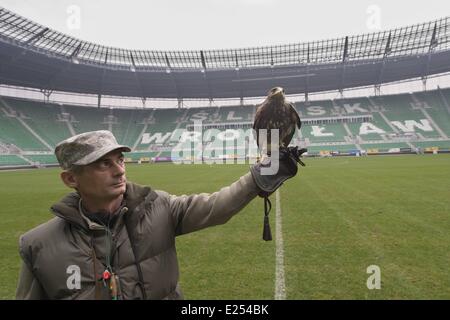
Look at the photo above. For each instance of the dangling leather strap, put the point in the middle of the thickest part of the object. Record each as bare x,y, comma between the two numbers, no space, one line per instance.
267,234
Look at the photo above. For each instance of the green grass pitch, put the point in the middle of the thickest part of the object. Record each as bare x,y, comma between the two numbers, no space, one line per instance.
339,216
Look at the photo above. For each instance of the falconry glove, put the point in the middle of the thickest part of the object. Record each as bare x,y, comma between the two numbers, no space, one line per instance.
268,181
287,168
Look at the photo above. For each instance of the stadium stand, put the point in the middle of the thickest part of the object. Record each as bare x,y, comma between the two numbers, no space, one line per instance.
129,125
13,130
12,160
44,119
88,119
31,129
42,159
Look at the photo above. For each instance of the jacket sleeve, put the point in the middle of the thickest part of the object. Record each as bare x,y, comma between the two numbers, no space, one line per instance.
198,211
28,287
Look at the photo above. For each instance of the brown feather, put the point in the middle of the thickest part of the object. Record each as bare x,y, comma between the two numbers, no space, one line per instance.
276,113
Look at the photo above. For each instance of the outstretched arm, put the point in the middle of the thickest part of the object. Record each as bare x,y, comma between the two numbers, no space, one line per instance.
198,211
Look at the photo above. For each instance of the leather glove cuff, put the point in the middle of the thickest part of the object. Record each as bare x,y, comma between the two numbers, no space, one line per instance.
264,172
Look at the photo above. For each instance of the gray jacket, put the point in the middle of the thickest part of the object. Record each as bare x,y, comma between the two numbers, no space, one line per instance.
65,257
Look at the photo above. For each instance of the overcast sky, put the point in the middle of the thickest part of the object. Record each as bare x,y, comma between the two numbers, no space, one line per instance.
216,24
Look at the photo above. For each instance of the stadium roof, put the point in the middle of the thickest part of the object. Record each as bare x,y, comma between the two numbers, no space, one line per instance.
32,55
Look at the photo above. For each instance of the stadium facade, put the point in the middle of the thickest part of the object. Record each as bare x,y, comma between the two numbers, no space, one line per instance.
43,60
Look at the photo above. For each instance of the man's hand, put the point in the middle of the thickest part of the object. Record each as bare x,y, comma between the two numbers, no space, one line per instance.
287,168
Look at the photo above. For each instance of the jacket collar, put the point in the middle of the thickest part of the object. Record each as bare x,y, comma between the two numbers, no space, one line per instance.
68,207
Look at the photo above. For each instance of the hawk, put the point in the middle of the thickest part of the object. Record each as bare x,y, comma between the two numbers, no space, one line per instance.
276,113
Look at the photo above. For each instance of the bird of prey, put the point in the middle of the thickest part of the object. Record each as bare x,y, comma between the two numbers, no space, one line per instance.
275,113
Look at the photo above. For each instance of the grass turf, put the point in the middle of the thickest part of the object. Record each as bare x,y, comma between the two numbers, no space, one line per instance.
340,215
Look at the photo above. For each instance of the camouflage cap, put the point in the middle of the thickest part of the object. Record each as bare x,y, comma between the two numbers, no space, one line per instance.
86,148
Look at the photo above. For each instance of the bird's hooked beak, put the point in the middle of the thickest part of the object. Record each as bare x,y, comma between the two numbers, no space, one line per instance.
277,91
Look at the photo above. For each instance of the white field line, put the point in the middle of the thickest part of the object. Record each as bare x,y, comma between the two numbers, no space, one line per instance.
280,286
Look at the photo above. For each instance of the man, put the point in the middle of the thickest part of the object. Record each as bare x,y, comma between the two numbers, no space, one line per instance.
113,239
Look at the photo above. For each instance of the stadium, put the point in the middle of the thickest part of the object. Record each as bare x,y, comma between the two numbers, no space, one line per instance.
374,191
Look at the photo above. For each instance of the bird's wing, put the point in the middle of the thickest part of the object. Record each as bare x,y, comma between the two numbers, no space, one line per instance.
297,117
257,120
257,123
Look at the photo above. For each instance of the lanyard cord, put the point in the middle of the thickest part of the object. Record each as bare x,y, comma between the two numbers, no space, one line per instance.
133,247
108,248
108,274
94,258
136,262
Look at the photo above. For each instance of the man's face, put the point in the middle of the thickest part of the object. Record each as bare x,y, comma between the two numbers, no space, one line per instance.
103,179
